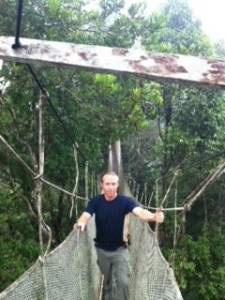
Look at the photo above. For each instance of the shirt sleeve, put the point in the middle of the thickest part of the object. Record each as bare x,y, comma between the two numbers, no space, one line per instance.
131,204
90,207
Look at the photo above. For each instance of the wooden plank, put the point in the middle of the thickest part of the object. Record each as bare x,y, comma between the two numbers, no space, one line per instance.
162,67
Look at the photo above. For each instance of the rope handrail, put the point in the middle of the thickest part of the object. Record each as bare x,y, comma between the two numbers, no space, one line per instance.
27,168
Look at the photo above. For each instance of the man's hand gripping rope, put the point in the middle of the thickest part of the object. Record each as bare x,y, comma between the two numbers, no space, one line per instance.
159,216
79,226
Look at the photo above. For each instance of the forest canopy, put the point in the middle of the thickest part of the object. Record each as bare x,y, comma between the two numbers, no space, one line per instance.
163,128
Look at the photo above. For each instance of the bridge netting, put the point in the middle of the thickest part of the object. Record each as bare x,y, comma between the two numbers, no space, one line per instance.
70,271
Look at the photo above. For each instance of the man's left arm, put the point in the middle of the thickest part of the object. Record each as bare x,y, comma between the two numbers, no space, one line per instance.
147,216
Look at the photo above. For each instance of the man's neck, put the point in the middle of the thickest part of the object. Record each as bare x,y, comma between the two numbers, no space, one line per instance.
108,198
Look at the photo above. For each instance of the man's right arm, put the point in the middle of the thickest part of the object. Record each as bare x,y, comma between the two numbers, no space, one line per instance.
82,221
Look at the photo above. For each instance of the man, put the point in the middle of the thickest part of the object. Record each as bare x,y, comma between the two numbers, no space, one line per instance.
110,210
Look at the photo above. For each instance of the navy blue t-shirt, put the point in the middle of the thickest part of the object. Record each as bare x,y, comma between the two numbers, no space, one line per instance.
109,219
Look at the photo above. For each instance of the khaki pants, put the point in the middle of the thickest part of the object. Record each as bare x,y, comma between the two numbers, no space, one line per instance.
116,268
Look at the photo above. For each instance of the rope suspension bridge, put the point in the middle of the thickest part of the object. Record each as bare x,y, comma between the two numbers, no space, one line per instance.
70,271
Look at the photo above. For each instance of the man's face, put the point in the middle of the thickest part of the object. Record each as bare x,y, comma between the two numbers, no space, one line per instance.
109,186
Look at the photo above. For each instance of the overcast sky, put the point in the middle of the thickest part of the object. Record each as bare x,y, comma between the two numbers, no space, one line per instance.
210,12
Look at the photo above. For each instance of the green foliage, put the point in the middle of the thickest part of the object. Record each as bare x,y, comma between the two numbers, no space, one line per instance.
18,236
220,49
200,266
183,34
15,258
109,7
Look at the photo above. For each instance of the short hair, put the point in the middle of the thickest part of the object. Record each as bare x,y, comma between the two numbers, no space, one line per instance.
109,173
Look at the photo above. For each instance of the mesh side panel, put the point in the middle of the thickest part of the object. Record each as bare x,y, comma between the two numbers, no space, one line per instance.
152,278
94,279
27,289
69,272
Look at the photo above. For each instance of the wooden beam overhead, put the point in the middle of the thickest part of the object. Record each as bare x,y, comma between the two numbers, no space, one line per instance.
161,67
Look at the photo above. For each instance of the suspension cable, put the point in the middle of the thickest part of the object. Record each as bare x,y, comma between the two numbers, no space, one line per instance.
74,143
18,24
36,79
